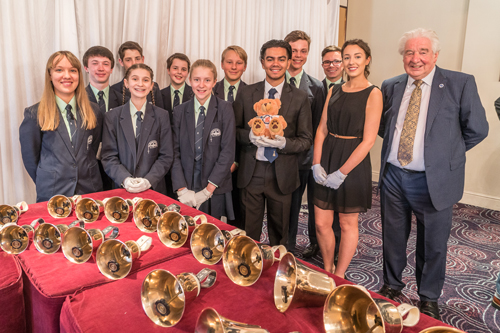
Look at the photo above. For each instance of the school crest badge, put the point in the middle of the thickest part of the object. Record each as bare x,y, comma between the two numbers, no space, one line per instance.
152,145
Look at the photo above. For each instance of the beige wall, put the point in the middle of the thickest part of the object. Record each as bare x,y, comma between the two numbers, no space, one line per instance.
470,33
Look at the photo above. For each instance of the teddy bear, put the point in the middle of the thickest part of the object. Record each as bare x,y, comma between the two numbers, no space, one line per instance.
267,122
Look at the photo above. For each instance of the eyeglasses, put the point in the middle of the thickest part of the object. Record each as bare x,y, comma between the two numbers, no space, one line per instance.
328,63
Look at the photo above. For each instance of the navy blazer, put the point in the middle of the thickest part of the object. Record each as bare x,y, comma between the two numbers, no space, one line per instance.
114,100
456,122
218,89
156,92
154,155
167,100
326,89
296,110
218,145
52,162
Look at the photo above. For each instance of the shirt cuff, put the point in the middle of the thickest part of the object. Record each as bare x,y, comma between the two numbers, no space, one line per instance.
213,184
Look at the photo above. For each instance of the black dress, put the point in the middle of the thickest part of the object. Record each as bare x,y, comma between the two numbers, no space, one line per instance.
346,117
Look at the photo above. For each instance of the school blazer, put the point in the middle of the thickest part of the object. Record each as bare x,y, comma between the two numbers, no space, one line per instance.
296,110
218,89
156,92
52,162
167,100
154,155
218,145
115,99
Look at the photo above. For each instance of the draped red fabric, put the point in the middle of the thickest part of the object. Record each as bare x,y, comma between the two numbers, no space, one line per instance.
12,316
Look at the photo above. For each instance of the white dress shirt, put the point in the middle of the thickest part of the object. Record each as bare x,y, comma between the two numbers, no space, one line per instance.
267,86
418,162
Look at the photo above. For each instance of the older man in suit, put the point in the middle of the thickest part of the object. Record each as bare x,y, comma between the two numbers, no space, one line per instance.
431,117
268,170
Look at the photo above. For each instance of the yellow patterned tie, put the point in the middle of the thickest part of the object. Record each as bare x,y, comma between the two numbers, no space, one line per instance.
405,151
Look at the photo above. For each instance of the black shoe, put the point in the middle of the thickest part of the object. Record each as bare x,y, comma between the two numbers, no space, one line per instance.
495,302
388,292
431,309
311,251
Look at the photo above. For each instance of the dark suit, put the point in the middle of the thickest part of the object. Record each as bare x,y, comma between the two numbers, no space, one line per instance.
52,162
238,221
218,89
218,148
326,89
275,181
167,99
154,154
455,123
316,96
114,100
155,92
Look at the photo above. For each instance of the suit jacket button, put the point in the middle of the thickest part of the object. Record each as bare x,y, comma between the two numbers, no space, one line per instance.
74,166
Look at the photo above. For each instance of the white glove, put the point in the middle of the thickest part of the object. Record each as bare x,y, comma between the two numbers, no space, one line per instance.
131,185
319,174
279,142
202,196
142,185
256,140
334,180
187,197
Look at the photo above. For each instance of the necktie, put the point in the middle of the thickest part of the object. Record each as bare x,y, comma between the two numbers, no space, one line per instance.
101,102
138,124
177,99
230,96
405,151
270,153
198,137
331,85
72,122
293,82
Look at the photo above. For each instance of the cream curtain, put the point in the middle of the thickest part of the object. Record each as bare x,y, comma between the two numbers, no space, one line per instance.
30,31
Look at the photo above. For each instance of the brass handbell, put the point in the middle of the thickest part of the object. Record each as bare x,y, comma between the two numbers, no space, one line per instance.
60,206
297,285
117,209
164,296
146,215
78,244
350,308
210,321
88,210
245,260
173,228
208,242
47,238
441,329
14,239
10,214
115,258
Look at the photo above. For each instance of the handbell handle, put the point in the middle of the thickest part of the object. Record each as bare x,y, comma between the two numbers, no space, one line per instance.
80,223
111,229
133,202
74,199
36,222
207,277
174,208
282,251
144,243
412,312
22,206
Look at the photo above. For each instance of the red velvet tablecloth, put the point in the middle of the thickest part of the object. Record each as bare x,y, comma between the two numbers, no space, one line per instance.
12,317
117,307
50,278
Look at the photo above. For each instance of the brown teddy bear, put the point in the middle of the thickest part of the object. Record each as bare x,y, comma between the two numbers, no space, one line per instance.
267,122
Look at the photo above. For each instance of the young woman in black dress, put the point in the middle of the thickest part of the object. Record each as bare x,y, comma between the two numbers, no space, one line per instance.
341,164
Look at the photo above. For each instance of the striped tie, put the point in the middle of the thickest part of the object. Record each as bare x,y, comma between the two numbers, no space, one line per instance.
198,137
271,153
72,122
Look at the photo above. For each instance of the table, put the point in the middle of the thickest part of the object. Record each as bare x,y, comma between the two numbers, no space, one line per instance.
12,316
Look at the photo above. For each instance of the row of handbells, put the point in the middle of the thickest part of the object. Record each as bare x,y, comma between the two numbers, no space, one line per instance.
346,308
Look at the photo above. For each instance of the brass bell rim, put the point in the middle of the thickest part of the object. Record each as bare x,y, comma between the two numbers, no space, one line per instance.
147,304
10,208
287,258
113,201
441,329
162,231
8,229
51,203
210,313
81,203
100,252
67,255
154,220
227,267
38,233
194,236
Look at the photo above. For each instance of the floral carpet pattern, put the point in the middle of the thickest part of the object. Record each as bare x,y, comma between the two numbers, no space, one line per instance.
472,267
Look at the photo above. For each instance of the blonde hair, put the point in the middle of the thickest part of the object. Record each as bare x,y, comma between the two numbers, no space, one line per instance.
48,115
204,63
238,50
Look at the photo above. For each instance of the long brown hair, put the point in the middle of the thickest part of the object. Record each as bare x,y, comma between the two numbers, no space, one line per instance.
127,74
48,115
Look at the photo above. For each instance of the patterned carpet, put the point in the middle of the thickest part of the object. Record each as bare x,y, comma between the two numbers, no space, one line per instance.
472,267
